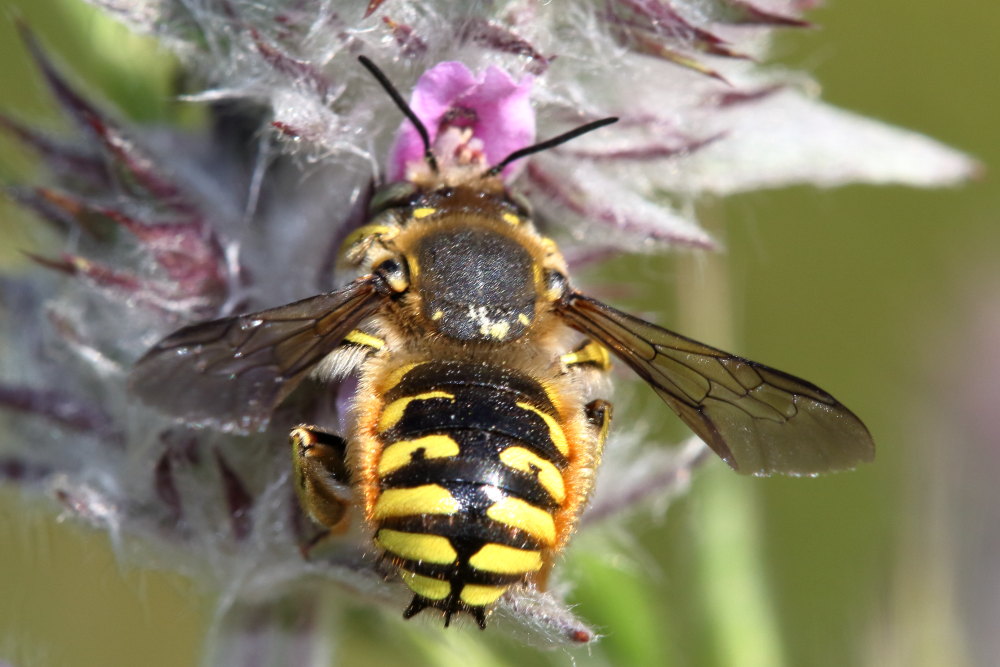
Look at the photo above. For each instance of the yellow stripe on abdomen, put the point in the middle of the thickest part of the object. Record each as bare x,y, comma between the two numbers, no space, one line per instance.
555,430
426,499
417,546
394,411
476,595
430,588
398,454
516,513
501,559
547,474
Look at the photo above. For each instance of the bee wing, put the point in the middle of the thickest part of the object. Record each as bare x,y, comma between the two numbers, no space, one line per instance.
232,373
758,419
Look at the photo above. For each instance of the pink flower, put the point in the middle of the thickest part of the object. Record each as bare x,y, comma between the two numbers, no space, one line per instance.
471,120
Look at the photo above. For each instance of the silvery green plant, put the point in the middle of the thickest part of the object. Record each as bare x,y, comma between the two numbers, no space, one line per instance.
165,227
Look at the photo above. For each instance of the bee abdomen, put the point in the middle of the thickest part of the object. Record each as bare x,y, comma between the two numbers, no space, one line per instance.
470,475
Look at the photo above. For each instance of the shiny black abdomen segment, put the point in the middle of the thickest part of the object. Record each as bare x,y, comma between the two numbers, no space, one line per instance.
446,374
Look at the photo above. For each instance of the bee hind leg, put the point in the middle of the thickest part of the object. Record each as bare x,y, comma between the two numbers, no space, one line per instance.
322,480
589,354
539,580
598,413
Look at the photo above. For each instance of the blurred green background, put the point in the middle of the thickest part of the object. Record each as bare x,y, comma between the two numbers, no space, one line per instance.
887,297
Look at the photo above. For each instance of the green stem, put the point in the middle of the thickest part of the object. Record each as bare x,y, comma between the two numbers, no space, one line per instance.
741,616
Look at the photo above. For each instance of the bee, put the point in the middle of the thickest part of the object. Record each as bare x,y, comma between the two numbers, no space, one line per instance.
478,421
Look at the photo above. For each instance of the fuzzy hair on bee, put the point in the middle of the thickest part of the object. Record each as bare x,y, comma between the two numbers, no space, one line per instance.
482,404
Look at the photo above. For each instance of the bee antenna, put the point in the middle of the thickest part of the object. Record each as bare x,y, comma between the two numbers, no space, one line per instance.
549,143
404,107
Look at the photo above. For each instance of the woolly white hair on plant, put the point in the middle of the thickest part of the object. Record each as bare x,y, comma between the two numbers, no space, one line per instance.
172,227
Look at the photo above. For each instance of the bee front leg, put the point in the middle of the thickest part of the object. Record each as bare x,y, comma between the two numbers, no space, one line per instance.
322,480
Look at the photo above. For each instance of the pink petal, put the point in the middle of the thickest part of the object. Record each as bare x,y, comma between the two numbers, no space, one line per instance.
503,117
506,121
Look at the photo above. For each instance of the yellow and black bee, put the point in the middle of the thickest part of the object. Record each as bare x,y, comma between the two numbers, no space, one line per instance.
477,423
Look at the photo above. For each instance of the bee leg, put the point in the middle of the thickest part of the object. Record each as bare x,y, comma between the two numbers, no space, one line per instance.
590,354
348,356
593,356
598,413
539,580
322,480
364,340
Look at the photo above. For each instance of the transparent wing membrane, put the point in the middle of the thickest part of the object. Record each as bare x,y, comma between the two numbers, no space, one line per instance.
758,419
231,373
